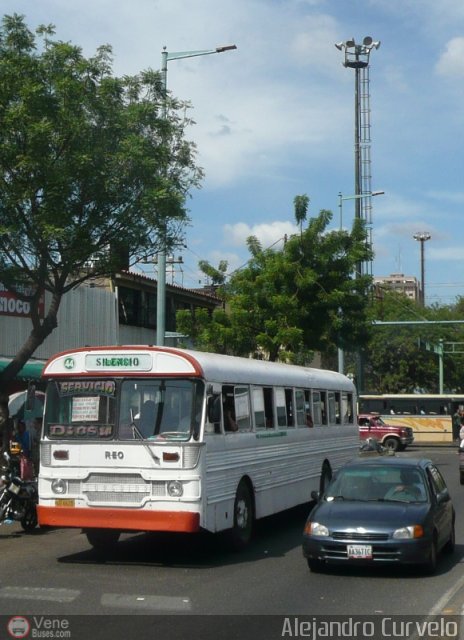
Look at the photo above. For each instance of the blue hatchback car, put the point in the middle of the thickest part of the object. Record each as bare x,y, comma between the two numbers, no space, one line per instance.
381,510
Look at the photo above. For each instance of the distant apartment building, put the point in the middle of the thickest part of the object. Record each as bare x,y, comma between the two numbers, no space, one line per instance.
407,285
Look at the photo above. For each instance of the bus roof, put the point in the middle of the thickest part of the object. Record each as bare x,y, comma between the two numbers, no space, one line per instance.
136,360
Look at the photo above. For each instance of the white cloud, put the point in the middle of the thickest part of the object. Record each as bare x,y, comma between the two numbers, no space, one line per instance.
268,234
451,61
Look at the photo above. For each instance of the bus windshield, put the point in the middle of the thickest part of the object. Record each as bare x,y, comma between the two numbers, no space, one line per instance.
149,409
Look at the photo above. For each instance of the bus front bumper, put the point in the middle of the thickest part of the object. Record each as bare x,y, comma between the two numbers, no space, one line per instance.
121,519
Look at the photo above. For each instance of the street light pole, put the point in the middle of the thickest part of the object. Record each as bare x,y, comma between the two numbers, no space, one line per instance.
422,237
161,283
359,196
341,199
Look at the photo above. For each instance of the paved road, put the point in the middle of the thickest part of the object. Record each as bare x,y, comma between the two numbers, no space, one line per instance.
53,572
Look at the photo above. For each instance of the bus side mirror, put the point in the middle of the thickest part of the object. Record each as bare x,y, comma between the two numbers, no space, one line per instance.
30,397
214,408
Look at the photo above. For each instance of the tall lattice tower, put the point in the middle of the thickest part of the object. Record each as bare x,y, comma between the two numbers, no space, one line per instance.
364,144
357,58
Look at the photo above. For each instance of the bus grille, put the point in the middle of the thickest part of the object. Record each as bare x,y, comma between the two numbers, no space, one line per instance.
105,488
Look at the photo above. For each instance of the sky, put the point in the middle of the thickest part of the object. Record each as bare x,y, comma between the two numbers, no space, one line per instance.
275,118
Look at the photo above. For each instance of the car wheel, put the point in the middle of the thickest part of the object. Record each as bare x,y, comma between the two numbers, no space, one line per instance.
461,477
315,566
102,540
391,443
241,532
449,546
430,565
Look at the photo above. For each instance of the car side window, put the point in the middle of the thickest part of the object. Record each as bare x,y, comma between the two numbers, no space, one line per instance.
436,480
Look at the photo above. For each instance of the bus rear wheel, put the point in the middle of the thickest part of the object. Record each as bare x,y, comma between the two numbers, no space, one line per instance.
102,540
241,532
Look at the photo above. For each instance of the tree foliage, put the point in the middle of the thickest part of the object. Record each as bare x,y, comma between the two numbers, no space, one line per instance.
287,303
397,358
90,167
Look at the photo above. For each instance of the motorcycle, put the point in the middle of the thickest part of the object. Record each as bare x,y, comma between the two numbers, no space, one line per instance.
18,497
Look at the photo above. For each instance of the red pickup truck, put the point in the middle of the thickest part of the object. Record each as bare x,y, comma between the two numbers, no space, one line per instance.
393,437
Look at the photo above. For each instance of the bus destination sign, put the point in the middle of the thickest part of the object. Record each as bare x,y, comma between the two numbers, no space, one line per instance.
123,361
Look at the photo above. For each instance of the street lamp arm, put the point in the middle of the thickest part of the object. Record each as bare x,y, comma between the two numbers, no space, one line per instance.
161,282
362,195
178,55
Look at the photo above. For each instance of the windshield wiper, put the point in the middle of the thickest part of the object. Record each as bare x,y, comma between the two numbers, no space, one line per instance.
136,432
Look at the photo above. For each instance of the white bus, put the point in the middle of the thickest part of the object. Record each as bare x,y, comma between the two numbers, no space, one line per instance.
135,439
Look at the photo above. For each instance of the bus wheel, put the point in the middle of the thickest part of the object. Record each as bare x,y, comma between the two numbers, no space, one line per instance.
326,477
102,540
241,532
392,444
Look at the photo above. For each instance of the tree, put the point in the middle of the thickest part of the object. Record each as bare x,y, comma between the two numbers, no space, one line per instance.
216,277
287,303
397,360
90,168
301,204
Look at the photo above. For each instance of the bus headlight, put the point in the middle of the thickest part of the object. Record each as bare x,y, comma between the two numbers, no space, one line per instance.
59,486
175,489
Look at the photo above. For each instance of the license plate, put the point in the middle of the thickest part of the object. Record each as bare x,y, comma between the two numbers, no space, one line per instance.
64,502
362,551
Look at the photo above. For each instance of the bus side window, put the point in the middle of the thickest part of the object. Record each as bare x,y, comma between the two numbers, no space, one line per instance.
317,413
259,411
269,407
289,407
300,407
324,412
281,407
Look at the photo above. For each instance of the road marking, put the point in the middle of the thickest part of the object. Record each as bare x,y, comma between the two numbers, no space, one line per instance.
446,597
39,593
150,602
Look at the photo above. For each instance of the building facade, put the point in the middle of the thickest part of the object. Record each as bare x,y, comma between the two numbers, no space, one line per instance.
111,311
407,285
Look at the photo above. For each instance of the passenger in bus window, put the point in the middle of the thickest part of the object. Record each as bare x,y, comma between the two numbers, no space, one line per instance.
229,417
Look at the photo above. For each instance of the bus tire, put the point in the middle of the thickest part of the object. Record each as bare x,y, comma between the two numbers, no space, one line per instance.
326,477
391,443
102,540
241,533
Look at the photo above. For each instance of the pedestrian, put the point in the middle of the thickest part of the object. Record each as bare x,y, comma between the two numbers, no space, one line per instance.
35,444
456,424
23,437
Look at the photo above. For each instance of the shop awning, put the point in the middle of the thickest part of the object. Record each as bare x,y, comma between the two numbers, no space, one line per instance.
32,370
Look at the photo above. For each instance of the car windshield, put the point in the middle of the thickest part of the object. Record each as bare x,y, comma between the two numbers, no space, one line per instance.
384,483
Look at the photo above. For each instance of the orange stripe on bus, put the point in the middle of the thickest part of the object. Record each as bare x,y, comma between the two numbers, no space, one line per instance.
123,519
